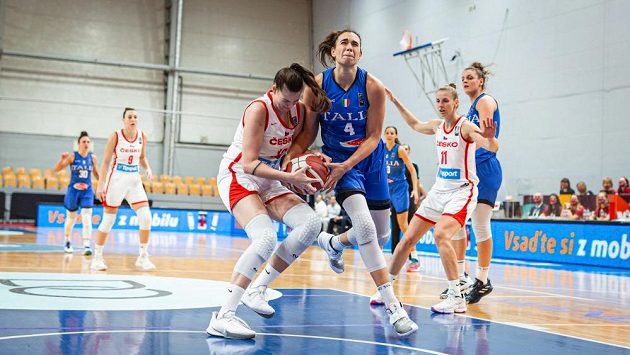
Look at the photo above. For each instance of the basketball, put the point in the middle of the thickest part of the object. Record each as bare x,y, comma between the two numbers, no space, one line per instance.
316,168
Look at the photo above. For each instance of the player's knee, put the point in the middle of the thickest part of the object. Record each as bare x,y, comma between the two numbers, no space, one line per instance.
107,222
441,237
364,228
302,216
263,235
144,218
372,256
482,232
86,216
461,234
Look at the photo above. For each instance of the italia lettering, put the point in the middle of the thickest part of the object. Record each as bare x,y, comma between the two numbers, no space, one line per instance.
336,116
447,144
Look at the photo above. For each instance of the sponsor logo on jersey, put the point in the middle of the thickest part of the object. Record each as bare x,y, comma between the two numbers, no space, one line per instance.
280,141
449,174
126,168
348,116
352,143
447,144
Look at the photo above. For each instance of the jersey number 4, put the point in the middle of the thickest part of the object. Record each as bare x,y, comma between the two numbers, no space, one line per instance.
349,129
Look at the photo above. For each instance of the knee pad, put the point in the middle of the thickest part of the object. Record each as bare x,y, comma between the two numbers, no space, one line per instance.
86,220
363,229
461,234
249,263
144,218
481,222
107,222
372,256
303,216
263,235
381,220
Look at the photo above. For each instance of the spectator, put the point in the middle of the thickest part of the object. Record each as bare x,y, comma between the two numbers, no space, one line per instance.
624,186
539,207
555,208
601,212
582,189
607,186
334,214
565,187
322,210
574,209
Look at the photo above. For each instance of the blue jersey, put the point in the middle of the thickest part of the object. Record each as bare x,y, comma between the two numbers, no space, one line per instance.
343,126
396,168
81,169
473,115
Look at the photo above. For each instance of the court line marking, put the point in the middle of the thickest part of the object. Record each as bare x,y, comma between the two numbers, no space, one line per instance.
525,326
11,337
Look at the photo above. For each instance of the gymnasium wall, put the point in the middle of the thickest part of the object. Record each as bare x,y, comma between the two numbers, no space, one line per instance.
562,78
45,104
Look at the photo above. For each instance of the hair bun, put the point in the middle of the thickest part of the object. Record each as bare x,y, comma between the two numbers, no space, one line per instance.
453,85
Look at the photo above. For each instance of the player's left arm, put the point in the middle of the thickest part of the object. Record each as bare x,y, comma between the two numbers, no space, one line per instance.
402,154
483,138
486,107
95,167
144,162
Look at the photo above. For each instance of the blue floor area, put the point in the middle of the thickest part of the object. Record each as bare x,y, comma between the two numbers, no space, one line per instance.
307,321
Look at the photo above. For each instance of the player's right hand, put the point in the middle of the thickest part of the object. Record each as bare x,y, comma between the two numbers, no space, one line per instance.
302,182
65,155
100,194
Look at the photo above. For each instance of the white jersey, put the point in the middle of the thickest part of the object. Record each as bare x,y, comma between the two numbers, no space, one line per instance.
123,179
456,158
127,153
277,137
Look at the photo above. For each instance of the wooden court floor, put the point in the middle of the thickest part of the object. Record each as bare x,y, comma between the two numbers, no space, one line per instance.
579,302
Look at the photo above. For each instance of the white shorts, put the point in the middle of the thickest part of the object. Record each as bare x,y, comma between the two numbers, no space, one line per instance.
126,186
458,204
234,185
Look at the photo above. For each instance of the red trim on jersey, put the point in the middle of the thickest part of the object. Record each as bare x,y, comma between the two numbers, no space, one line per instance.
444,126
278,113
122,131
275,197
460,216
237,192
466,140
109,177
424,219
266,113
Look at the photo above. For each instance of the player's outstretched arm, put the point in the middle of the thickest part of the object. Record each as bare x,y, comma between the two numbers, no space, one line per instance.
413,122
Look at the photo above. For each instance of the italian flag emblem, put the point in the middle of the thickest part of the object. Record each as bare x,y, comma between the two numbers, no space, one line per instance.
345,102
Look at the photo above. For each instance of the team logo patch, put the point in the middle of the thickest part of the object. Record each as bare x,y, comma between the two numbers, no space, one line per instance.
345,102
449,174
352,143
361,100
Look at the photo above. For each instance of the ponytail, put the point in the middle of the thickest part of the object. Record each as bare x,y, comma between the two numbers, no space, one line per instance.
294,77
451,88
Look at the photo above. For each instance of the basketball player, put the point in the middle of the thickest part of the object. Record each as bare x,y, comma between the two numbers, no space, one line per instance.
397,165
484,108
125,152
249,184
453,197
80,192
351,133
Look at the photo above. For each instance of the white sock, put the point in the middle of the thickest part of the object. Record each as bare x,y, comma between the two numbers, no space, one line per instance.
454,285
235,293
266,277
461,265
387,294
392,277
414,254
482,274
143,249
98,250
336,243
86,242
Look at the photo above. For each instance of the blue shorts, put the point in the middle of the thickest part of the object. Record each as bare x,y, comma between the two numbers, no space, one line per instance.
368,177
399,193
78,198
490,177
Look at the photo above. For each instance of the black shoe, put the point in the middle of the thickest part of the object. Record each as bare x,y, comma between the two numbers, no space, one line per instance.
478,291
